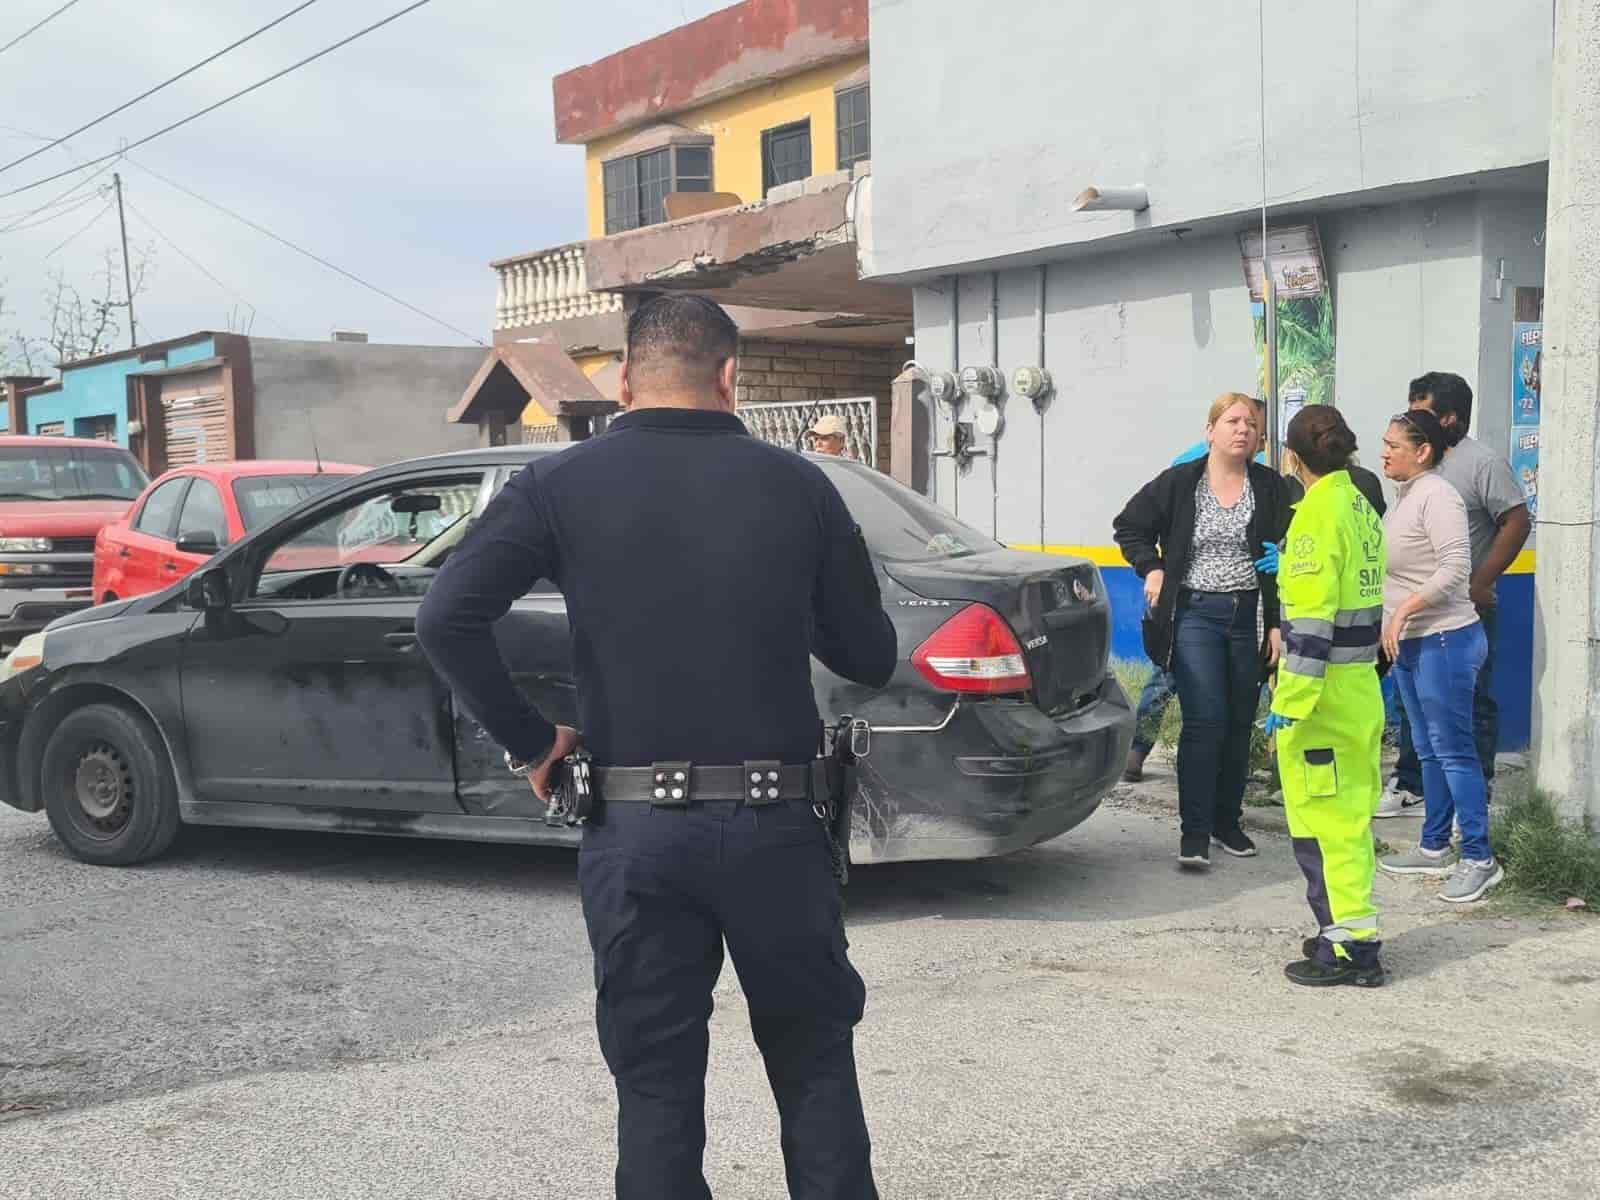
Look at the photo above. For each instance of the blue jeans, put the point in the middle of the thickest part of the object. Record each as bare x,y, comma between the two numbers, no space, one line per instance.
1436,675
1216,663
1485,719
1153,701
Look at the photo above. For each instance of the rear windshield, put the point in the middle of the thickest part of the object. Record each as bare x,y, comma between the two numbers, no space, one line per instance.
69,473
262,499
898,524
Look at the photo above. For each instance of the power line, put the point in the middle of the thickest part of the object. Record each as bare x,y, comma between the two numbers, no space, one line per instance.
195,263
316,258
38,25
57,200
204,62
95,220
63,210
211,108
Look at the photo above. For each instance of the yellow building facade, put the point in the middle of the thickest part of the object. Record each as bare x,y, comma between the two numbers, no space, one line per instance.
736,124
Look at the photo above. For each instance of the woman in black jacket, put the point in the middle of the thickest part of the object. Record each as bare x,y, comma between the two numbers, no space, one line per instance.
1199,536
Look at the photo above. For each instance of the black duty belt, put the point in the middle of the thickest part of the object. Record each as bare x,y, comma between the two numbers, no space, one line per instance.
677,784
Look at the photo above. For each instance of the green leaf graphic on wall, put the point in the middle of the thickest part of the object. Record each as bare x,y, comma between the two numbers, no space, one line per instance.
1305,347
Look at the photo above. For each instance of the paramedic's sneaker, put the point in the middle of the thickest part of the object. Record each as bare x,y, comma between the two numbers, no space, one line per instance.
1397,801
1419,862
1313,972
1470,880
1236,843
1194,851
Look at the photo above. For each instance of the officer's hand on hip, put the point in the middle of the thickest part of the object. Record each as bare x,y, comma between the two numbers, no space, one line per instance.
539,777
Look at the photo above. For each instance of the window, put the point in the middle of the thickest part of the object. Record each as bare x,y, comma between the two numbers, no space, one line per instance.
853,110
202,512
70,473
785,155
897,523
160,511
417,523
262,499
637,186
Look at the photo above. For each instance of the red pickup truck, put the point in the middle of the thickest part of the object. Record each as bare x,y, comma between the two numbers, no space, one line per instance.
55,495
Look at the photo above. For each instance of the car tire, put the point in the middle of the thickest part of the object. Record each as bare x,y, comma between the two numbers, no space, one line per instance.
108,786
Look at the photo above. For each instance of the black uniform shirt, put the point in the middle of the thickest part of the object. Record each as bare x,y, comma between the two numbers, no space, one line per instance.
701,569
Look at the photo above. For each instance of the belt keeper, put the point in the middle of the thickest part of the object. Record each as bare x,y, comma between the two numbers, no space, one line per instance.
671,784
763,782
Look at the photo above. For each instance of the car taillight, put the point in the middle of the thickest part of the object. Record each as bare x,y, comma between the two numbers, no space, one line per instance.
974,651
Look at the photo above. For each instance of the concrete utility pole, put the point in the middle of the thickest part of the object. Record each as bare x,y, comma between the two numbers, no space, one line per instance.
1566,720
127,267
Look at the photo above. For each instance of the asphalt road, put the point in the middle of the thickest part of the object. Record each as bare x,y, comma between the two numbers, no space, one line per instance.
286,1015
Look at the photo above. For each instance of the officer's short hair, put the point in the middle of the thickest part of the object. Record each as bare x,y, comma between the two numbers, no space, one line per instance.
679,332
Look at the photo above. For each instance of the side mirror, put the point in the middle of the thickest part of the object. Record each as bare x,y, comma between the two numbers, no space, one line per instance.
208,590
198,541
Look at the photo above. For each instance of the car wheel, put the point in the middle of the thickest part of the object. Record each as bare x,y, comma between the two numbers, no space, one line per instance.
108,786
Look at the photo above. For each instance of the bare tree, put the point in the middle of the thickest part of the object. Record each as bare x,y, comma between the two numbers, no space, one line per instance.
80,322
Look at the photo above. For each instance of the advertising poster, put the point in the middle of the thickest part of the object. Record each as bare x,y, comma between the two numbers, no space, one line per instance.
1527,342
1525,464
1527,338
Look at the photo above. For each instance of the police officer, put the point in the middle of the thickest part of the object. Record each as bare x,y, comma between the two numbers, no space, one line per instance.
1327,709
702,569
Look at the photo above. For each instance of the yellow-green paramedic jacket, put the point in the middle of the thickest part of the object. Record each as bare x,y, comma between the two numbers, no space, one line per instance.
1330,580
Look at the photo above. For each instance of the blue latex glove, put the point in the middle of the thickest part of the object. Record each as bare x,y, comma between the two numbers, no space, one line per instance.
1275,722
1267,564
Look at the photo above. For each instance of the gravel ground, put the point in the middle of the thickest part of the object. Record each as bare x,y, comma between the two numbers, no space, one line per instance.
272,1014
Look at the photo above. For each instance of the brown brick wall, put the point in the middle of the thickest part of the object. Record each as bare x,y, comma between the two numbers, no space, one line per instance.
805,372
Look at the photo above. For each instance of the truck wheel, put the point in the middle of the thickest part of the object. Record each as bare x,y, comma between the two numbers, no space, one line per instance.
108,786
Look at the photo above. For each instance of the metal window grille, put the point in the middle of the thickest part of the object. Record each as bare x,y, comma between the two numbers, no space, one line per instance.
783,424
540,435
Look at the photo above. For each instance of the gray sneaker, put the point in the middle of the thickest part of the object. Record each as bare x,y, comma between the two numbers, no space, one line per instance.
1470,880
1418,861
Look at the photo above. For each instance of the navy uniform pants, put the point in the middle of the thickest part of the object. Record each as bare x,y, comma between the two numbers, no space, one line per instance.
663,890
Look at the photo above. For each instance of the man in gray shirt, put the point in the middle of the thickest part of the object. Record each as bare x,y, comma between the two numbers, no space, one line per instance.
1498,524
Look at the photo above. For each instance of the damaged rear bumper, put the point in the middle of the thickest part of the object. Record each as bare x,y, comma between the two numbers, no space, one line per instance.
1017,777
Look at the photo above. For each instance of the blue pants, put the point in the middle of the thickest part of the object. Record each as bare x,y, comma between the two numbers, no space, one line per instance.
663,889
1436,675
1153,700
1216,662
1485,719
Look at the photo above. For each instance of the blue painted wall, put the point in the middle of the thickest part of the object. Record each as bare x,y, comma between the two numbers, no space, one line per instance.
101,390
1513,672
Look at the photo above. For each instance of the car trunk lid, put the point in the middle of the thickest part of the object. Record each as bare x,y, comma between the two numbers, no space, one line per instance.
1056,605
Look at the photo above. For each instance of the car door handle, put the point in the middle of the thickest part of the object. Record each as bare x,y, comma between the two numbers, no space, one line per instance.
404,638
123,553
170,566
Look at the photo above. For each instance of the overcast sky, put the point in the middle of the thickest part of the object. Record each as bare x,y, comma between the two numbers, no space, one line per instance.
411,157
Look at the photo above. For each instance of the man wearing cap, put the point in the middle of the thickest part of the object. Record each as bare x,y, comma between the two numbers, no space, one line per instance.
828,435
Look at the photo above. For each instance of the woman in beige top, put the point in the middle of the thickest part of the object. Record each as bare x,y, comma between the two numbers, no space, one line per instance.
1432,635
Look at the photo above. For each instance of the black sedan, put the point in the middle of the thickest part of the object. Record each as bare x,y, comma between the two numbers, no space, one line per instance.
281,686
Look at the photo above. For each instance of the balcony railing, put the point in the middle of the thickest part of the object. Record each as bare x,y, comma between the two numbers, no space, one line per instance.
551,285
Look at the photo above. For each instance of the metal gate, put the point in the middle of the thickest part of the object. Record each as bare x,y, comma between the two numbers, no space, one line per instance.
783,424
197,430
